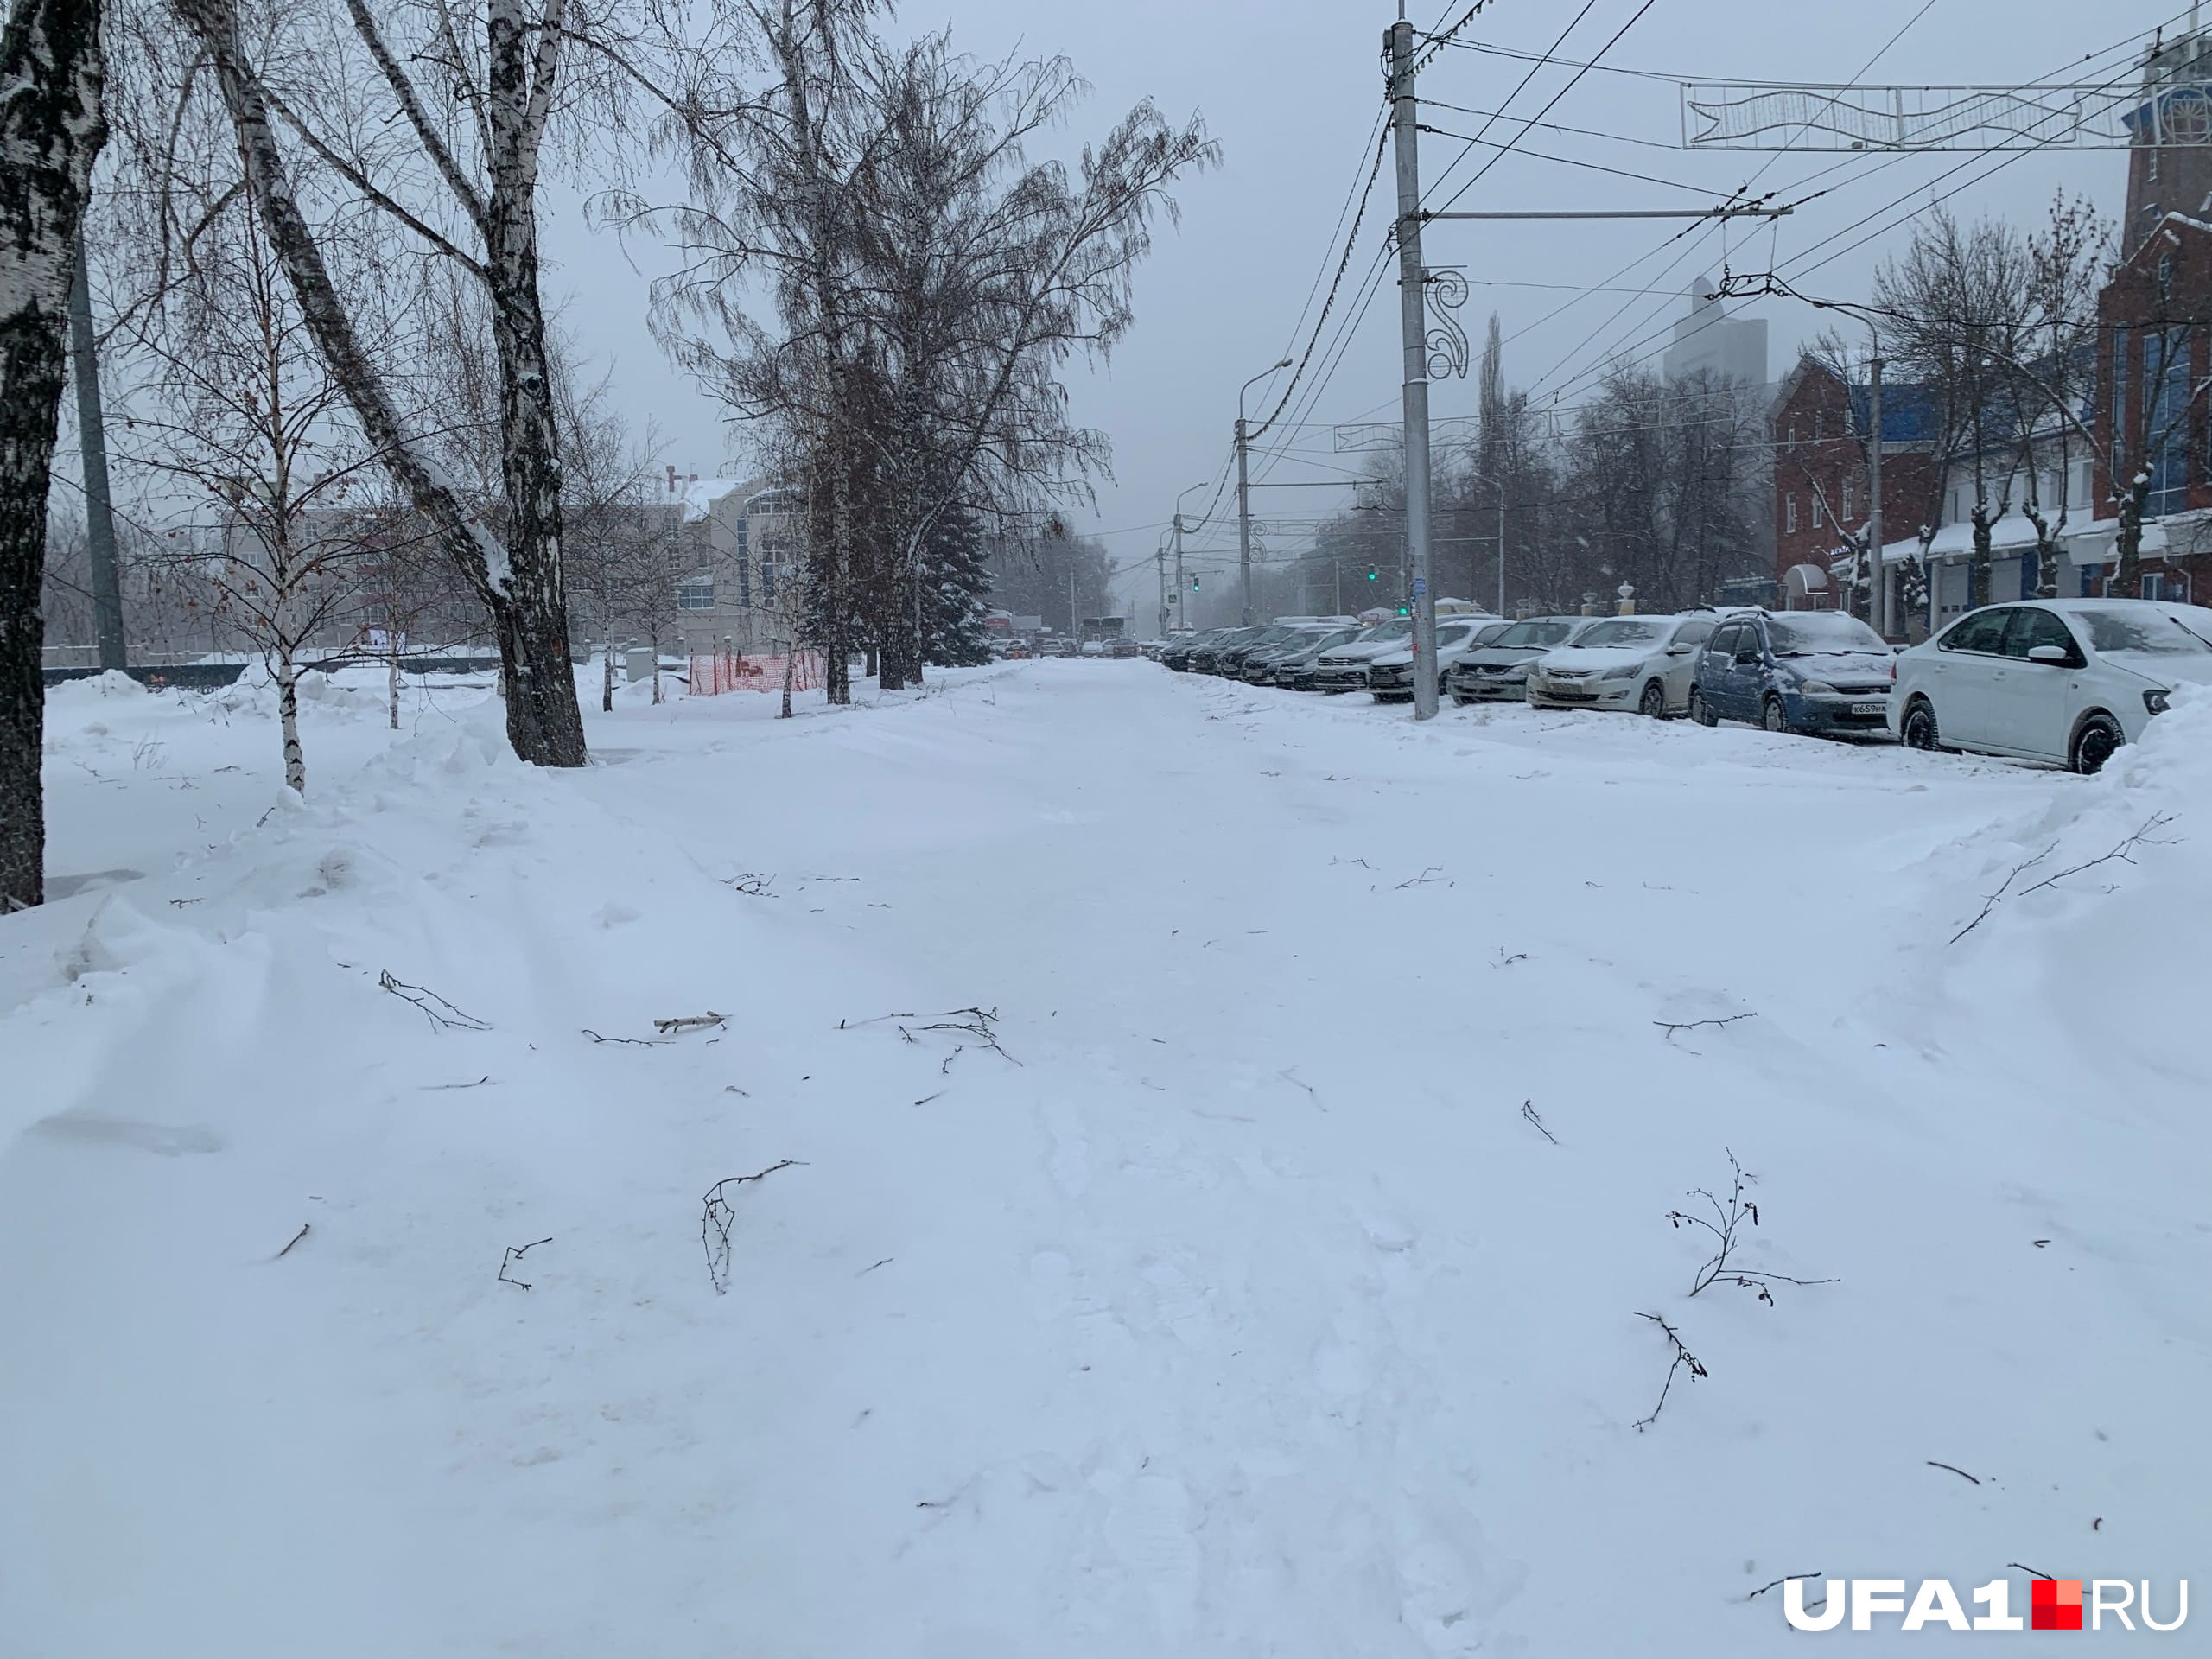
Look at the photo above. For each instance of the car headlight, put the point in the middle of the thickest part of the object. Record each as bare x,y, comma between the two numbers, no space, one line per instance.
1818,689
1628,673
2155,702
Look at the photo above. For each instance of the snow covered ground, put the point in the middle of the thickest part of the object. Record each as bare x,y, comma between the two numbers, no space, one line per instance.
1237,1307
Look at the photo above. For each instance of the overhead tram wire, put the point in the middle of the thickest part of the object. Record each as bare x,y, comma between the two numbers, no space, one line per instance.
1573,82
2011,152
2123,48
1880,52
1369,284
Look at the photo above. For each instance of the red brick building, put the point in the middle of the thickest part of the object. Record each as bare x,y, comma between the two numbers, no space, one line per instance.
2154,350
1821,483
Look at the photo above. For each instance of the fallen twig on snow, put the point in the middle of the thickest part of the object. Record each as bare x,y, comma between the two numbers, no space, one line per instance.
442,1014
873,1266
515,1253
684,1022
1727,1219
1504,961
628,1042
1955,1469
1778,1583
2123,854
1434,873
1683,1357
981,1024
720,1217
1362,863
1670,1026
752,886
854,1025
433,1088
287,1250
1529,1111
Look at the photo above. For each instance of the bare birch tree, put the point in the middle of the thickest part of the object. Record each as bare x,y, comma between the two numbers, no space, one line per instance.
51,131
435,117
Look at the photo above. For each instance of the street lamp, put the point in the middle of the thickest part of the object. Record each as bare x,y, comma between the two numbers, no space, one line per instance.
1244,489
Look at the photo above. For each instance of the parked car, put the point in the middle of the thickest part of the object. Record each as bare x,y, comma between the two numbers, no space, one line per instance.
1807,672
1260,664
1343,668
1391,676
1176,653
2067,680
1122,650
1296,665
1642,663
1499,671
1013,651
1229,661
1206,658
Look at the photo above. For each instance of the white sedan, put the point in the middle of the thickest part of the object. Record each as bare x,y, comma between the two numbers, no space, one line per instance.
1642,663
2050,679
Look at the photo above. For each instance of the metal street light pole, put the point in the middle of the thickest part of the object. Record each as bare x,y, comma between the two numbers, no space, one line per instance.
1244,490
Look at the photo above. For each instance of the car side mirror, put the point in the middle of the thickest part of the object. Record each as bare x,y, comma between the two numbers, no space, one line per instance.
2057,656
1679,651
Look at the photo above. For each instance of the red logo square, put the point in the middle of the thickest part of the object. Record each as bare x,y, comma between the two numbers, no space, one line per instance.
2055,1604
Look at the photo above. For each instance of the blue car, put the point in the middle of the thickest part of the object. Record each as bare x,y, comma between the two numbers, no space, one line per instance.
1817,673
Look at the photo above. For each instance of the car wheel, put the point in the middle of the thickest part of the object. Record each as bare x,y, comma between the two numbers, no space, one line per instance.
1773,715
1699,710
2096,741
1920,730
1653,704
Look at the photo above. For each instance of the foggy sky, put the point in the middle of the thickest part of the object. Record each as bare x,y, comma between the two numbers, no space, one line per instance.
1291,89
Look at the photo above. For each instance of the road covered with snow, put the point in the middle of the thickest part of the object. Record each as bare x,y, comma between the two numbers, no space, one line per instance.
1231,1138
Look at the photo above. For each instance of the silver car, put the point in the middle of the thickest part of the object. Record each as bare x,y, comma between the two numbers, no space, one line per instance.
1498,672
1345,667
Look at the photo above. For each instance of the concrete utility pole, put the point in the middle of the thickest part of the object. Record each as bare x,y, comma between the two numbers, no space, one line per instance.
1159,562
91,440
1182,613
1244,489
1880,571
1413,304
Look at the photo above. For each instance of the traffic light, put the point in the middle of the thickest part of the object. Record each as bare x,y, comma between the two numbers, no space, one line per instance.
1370,573
1403,611
1194,584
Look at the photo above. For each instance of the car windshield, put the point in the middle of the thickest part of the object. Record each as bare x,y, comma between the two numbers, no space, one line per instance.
1537,631
1384,633
1330,641
1811,634
1454,635
1622,632
2152,632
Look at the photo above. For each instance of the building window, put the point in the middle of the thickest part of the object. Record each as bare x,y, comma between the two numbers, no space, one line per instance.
1820,511
2170,586
2167,440
2151,172
1793,434
744,579
768,581
1789,515
697,595
2165,276
1850,503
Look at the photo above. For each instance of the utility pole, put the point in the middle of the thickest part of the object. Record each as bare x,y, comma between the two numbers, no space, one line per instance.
1244,488
1244,519
1413,304
1159,562
91,442
1890,619
1501,550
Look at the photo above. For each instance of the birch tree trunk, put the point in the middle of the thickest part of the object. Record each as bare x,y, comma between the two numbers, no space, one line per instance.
288,717
51,131
517,577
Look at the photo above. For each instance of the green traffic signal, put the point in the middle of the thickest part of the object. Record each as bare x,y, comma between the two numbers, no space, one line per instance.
1370,574
1194,584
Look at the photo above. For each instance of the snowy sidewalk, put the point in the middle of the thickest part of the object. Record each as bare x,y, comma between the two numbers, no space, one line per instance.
1236,1308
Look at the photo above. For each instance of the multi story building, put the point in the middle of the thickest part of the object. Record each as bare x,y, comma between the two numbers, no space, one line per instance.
737,562
1709,341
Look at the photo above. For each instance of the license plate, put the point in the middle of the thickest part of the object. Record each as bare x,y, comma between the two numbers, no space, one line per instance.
1870,707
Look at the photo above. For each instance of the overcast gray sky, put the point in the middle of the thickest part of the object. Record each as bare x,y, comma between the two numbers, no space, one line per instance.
1293,90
